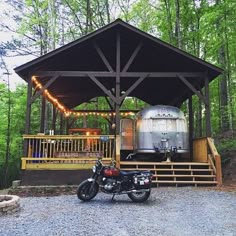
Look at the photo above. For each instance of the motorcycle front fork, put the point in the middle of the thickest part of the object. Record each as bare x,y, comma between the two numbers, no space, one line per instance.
94,177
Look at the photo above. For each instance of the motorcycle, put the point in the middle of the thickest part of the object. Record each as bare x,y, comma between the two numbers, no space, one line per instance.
111,180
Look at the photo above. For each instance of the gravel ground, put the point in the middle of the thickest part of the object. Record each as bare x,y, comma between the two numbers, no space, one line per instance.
169,211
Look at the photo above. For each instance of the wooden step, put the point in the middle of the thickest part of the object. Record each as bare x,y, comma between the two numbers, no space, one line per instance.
184,182
163,163
190,176
132,169
168,173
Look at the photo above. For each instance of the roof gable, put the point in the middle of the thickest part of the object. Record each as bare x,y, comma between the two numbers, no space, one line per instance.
168,52
153,55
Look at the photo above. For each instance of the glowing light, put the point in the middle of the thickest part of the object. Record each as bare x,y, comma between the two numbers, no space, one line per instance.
67,112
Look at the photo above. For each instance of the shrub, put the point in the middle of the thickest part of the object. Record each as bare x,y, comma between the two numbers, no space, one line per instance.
12,172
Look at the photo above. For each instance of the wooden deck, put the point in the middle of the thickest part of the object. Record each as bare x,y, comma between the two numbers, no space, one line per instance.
71,152
66,152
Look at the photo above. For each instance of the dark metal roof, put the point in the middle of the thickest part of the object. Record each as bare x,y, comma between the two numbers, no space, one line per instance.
154,56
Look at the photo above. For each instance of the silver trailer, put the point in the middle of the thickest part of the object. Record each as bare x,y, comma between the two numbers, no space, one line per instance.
158,130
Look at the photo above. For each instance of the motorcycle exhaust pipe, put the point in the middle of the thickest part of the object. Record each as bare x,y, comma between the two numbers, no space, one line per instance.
131,191
139,190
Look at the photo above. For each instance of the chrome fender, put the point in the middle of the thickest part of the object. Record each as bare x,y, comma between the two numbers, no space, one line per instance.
91,180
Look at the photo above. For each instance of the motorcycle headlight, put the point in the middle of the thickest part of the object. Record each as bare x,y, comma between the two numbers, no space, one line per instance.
94,169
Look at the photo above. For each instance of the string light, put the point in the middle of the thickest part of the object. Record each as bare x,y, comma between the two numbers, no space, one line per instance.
67,112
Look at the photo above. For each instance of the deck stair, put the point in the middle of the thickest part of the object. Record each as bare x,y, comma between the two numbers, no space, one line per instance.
175,173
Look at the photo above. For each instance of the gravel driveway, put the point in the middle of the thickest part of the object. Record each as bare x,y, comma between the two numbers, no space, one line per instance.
169,211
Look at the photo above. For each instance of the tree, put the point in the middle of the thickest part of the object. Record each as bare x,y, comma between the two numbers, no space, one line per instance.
8,133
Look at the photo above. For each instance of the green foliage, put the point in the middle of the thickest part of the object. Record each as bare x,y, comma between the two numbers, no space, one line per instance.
18,101
12,172
207,30
203,28
104,123
226,144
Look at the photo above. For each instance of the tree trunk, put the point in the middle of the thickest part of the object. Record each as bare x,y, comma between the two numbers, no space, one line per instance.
169,20
108,11
8,131
88,17
224,109
177,24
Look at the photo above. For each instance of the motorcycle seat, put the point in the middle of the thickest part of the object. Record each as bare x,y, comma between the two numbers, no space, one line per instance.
127,173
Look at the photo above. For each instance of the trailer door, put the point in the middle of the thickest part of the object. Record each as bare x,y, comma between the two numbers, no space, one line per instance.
127,134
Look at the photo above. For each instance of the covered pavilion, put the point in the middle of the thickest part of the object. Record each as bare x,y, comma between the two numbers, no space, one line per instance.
116,61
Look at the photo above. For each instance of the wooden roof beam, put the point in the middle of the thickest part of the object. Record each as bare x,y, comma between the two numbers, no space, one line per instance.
181,77
137,82
38,93
104,111
109,103
102,87
122,74
133,56
101,54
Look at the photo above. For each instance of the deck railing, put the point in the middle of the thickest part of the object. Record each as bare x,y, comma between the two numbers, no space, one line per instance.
215,160
204,150
66,151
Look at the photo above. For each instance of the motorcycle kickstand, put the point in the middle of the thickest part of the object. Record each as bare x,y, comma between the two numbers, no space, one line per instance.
113,197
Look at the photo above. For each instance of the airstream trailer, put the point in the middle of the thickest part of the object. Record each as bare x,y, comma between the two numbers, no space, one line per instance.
158,131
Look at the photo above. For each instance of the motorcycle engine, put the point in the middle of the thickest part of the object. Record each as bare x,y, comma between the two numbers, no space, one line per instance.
109,184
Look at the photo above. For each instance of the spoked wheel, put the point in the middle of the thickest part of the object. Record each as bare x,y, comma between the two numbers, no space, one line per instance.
139,196
87,190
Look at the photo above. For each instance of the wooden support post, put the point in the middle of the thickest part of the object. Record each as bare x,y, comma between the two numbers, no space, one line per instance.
117,107
61,124
190,107
28,108
117,140
54,118
42,118
218,170
67,121
199,121
46,120
207,107
23,164
28,115
117,119
117,102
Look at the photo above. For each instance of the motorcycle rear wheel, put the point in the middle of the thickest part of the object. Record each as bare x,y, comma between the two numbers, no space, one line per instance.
86,191
139,197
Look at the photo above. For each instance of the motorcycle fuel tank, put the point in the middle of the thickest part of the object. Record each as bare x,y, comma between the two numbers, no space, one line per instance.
111,171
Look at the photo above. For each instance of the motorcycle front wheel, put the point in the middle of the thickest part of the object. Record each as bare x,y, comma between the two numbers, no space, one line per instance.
139,197
87,190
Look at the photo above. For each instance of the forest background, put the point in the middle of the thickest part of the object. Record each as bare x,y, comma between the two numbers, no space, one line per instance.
203,28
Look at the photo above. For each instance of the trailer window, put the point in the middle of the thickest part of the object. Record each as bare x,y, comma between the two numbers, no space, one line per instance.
164,125
144,125
181,126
